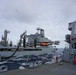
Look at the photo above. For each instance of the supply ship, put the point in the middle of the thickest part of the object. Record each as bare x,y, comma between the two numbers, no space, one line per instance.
33,44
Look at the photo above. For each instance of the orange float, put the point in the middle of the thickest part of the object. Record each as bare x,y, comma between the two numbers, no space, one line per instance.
44,44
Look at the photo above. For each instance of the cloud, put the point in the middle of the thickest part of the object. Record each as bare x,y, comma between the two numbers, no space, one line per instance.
69,10
31,10
16,10
51,15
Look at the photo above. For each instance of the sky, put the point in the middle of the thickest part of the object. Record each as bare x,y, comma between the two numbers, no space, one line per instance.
51,15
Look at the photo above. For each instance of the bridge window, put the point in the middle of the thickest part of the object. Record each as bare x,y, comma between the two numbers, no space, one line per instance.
74,45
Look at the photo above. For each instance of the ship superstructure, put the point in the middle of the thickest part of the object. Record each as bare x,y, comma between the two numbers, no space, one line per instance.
70,53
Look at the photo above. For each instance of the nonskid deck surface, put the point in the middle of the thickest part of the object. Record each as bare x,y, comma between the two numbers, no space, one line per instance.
49,69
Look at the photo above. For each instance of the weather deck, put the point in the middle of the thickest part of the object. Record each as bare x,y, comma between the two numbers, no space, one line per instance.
49,69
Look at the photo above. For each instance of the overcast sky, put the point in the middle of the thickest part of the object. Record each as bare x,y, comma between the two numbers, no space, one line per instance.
51,15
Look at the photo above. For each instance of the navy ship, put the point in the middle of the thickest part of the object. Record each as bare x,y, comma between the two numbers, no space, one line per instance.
70,53
33,44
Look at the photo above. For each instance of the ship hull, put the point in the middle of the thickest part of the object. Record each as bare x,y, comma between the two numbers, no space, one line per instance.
44,50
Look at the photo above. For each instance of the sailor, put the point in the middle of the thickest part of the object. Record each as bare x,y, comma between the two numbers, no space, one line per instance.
56,59
74,61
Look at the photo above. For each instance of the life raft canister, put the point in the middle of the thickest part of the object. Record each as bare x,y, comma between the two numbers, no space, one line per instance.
44,44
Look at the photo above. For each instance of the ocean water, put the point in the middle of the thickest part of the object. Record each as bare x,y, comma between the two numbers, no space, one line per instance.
59,51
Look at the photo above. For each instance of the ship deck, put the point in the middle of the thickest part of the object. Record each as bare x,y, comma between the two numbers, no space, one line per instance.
48,69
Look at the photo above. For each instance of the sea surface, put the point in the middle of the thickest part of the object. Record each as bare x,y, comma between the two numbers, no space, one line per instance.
59,51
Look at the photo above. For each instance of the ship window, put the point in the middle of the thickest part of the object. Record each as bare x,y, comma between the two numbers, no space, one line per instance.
9,49
32,49
74,45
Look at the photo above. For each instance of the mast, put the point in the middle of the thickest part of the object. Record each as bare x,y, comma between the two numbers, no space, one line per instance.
4,38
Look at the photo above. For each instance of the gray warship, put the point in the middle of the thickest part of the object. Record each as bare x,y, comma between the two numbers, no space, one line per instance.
33,44
70,53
